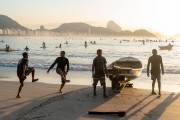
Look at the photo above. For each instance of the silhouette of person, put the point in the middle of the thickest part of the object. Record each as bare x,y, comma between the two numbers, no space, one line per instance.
61,62
23,70
99,71
156,68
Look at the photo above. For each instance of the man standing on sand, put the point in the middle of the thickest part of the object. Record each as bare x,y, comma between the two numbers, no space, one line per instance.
156,68
61,62
98,72
23,70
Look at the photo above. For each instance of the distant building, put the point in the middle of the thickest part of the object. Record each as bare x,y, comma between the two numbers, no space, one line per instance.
1,31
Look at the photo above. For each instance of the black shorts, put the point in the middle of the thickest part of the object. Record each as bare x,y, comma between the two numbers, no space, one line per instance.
27,72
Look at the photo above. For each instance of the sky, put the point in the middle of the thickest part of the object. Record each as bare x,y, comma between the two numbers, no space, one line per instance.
161,16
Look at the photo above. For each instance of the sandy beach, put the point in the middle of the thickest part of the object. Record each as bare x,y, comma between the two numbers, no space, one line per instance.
41,101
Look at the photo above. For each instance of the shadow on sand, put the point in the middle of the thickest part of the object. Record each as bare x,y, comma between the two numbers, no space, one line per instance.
155,113
63,106
159,109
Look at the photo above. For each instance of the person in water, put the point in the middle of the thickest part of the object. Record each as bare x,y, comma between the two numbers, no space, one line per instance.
23,70
26,48
99,70
44,45
61,62
85,44
7,48
156,69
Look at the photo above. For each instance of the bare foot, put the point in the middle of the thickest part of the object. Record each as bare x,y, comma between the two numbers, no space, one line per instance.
34,80
60,91
153,93
105,96
18,96
67,81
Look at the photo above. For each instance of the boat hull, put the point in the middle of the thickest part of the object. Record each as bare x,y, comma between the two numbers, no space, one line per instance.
124,70
168,47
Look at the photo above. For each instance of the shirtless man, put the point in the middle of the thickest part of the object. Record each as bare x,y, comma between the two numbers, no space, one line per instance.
156,69
61,62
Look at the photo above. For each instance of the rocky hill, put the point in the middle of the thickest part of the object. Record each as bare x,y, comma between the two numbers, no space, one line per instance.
111,25
6,22
78,28
83,28
142,33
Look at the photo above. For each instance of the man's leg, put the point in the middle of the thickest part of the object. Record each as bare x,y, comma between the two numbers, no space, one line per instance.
103,83
60,72
159,83
153,85
62,85
20,88
153,78
104,91
95,81
32,71
94,90
159,86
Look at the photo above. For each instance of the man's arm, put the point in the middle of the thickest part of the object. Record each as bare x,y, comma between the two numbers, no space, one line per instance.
148,67
105,68
52,66
67,66
93,67
25,65
162,66
106,71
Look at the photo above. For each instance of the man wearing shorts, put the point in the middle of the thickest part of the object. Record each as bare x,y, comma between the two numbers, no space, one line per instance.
61,62
23,70
156,68
98,72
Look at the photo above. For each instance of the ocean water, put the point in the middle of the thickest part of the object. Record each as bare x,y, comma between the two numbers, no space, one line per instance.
80,57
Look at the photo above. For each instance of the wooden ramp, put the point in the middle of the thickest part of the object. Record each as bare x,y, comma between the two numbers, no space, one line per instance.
120,104
107,111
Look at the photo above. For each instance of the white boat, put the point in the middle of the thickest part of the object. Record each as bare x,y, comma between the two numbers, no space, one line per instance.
124,70
167,47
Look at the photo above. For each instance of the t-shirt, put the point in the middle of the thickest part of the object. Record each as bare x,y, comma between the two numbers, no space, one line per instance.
61,63
155,61
99,65
20,64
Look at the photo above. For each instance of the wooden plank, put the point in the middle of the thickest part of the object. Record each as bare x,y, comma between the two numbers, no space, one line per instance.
120,113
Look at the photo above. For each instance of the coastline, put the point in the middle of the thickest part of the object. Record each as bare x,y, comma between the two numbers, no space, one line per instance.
170,82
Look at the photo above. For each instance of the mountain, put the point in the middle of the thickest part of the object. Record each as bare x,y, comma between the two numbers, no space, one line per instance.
158,34
83,28
6,22
79,28
143,33
111,25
